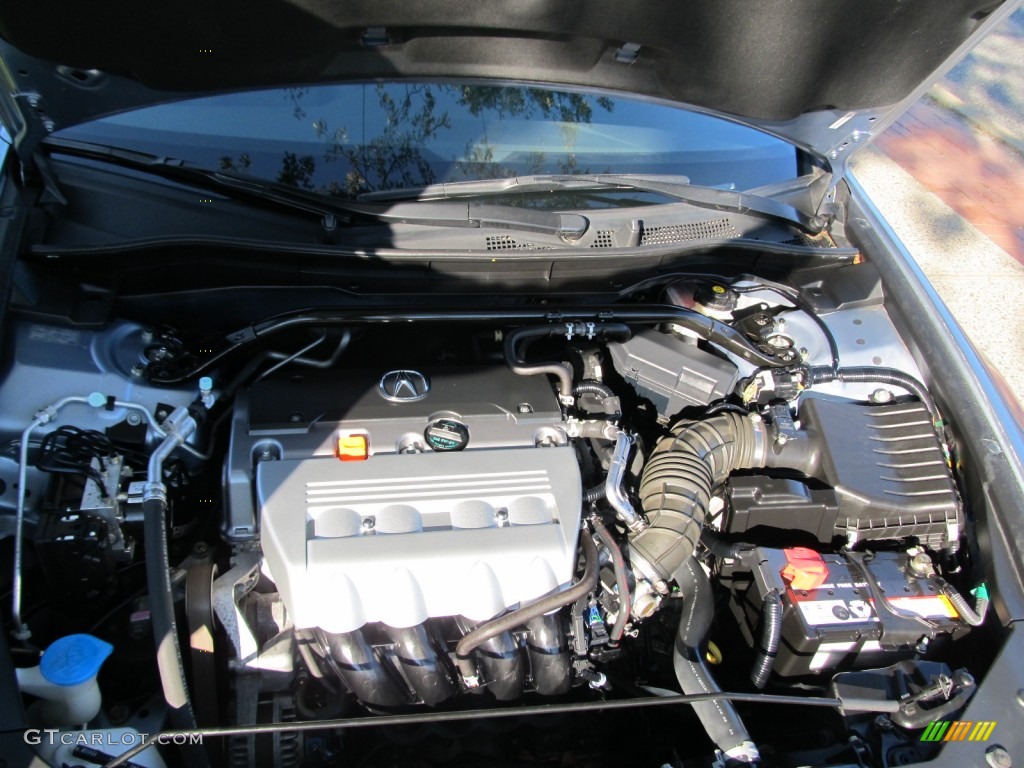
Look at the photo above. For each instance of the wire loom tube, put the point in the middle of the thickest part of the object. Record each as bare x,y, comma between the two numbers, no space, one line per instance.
771,634
973,616
872,375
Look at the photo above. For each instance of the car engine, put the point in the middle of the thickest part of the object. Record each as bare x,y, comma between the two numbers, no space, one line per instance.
708,492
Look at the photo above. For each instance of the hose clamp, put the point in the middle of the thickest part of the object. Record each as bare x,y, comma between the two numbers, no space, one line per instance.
154,491
760,449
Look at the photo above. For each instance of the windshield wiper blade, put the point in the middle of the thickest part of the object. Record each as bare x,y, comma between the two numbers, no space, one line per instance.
444,213
676,187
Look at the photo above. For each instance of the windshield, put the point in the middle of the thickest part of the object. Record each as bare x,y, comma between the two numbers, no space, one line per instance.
346,140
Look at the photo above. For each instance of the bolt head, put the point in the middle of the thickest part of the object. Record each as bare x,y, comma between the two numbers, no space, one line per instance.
997,757
883,723
882,396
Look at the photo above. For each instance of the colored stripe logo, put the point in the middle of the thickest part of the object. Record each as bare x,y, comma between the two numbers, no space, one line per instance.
958,730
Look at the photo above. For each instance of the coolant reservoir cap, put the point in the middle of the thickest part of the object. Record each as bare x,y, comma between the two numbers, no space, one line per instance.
74,659
804,568
716,296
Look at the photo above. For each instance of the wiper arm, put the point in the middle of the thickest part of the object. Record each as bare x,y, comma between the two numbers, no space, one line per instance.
676,187
427,213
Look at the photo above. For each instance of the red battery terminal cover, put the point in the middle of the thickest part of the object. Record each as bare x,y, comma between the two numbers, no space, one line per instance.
804,569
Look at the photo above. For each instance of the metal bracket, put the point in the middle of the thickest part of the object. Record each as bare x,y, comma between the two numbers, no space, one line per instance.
227,589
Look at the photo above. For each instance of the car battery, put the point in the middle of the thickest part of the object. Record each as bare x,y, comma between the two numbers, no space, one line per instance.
842,611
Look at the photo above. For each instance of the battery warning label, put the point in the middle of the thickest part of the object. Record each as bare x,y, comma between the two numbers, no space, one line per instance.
818,613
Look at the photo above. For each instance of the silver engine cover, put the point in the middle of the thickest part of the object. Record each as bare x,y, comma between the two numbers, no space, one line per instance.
400,538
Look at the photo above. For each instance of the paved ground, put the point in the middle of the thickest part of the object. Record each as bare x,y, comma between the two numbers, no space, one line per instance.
949,177
977,175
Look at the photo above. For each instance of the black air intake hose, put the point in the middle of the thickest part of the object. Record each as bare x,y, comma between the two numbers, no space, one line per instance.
771,633
719,718
677,482
872,375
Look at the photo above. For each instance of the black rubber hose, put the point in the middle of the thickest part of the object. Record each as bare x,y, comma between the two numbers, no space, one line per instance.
509,621
771,634
561,371
719,718
621,579
974,616
722,407
617,331
872,375
594,494
713,543
610,403
677,483
165,627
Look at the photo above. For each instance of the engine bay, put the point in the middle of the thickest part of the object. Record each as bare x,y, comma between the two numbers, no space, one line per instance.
730,495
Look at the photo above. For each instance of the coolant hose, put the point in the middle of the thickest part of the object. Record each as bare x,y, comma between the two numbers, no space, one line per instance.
621,579
718,716
561,371
677,483
517,618
973,616
872,375
771,634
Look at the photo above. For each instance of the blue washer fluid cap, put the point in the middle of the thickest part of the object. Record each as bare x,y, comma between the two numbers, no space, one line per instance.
74,659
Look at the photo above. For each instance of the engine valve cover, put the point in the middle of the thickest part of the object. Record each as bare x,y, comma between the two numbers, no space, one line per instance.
401,538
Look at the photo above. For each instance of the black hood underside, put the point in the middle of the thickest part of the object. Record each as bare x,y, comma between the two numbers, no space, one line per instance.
772,60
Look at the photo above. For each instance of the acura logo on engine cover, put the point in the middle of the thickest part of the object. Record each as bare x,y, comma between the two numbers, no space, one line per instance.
403,386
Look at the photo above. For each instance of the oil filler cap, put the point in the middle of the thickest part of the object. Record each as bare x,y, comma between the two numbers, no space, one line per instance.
804,569
446,435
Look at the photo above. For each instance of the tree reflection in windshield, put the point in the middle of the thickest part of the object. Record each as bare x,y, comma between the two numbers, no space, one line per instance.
399,136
